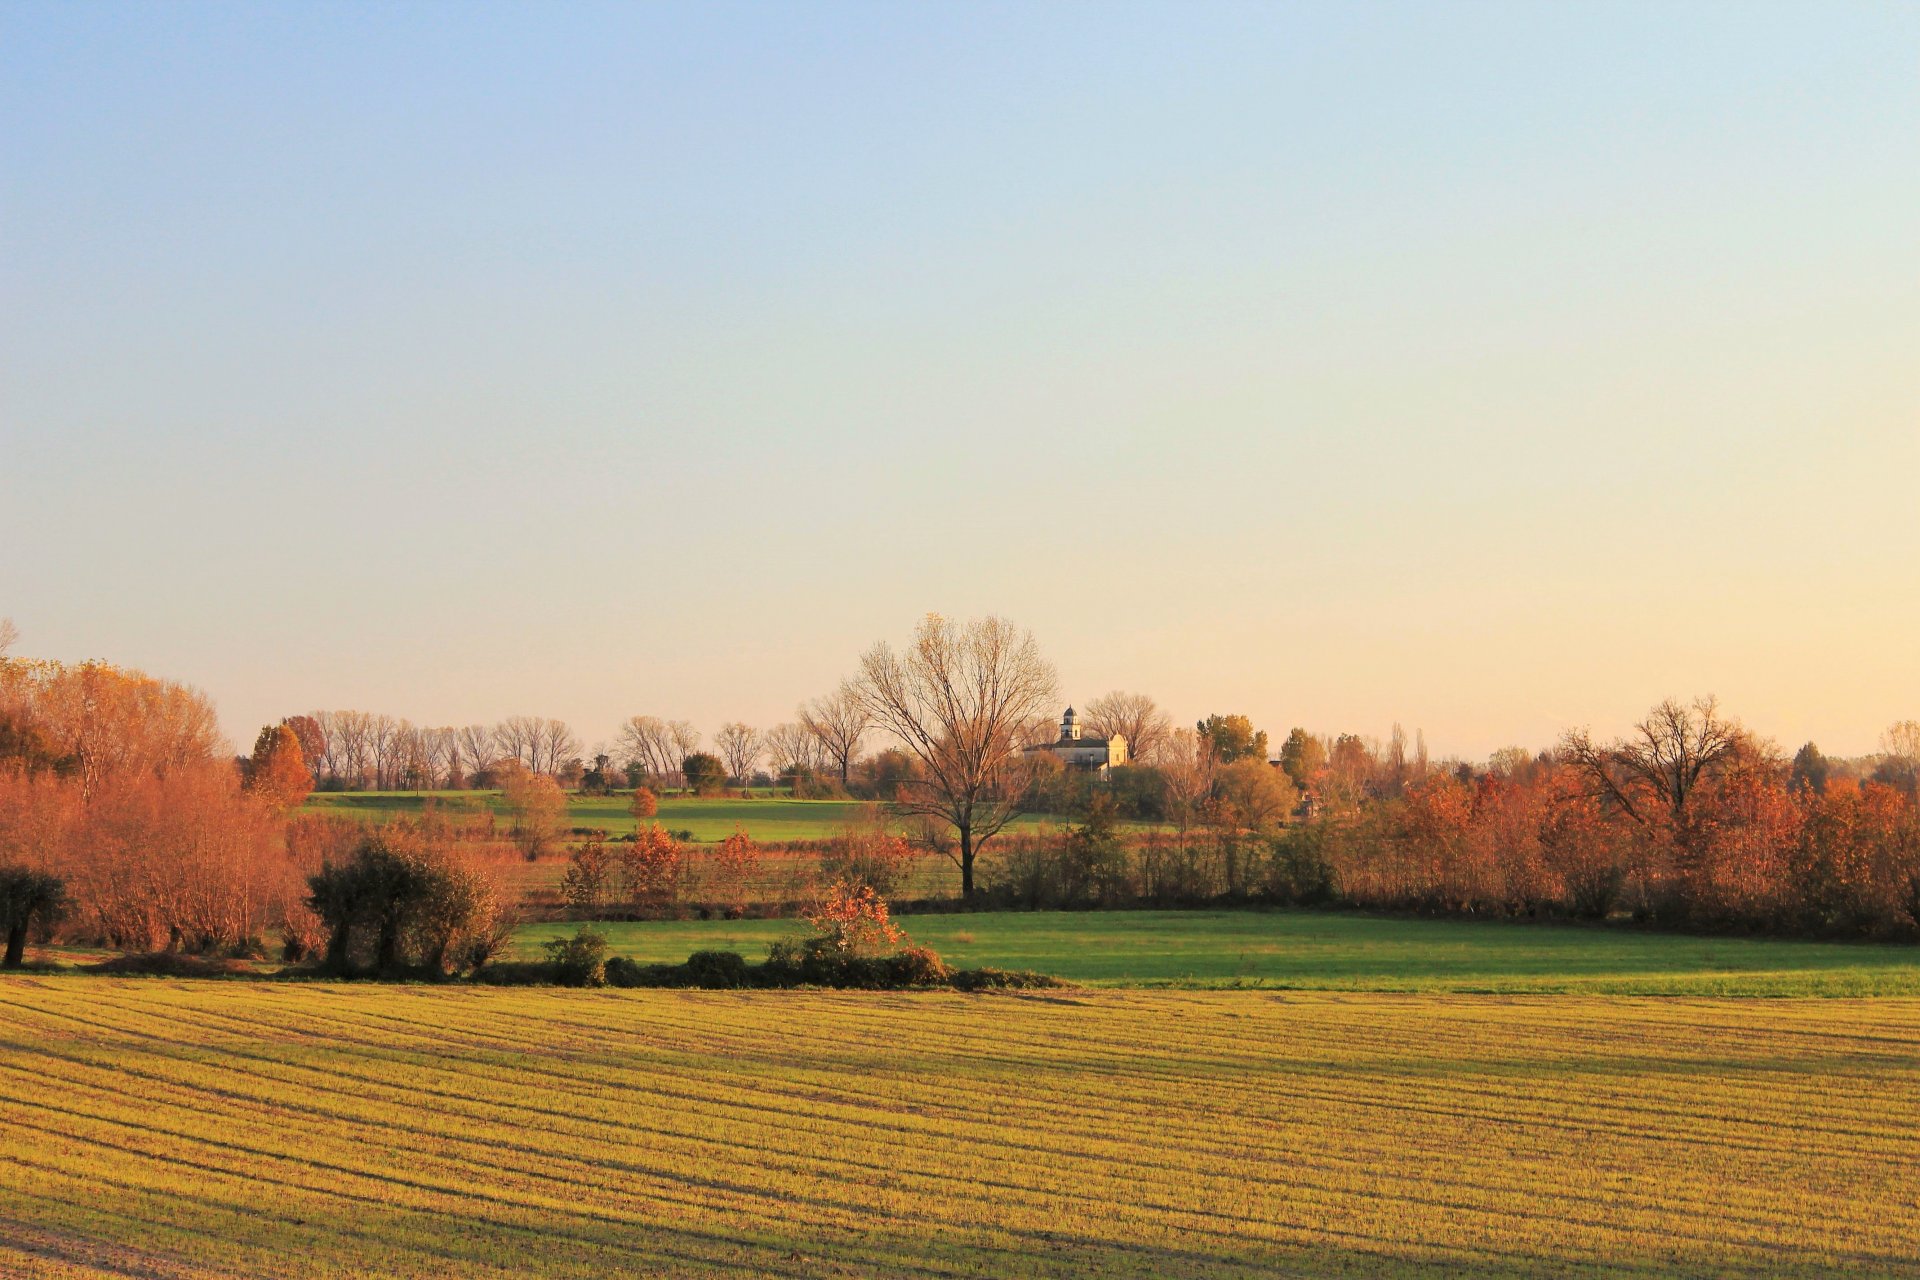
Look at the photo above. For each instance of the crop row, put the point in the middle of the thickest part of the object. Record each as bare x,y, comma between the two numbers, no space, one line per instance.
268,1129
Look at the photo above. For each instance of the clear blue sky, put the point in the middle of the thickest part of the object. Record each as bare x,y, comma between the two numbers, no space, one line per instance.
1489,368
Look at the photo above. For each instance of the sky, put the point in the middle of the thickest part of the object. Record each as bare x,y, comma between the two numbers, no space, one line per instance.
1489,369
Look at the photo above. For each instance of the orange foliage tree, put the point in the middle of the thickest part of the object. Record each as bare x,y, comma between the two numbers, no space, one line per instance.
653,866
735,863
853,920
278,770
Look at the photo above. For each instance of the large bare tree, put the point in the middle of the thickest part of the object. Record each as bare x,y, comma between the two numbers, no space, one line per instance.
839,721
739,746
1133,716
647,742
1652,773
790,746
958,698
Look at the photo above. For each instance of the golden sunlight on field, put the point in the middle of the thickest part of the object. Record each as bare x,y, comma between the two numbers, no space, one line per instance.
180,1128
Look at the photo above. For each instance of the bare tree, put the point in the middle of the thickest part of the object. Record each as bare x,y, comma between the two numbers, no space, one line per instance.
382,738
648,742
1654,772
1133,716
9,635
477,747
557,744
838,721
957,699
355,729
1900,756
686,739
1187,766
790,746
739,746
521,738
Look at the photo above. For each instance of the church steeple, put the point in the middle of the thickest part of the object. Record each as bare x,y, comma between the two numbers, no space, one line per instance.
1070,727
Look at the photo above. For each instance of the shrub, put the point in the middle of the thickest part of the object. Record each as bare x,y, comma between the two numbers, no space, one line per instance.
917,967
579,961
1002,980
718,970
864,852
171,964
853,920
645,804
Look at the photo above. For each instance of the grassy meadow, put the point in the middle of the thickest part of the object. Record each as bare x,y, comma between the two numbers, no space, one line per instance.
767,817
312,1130
1307,950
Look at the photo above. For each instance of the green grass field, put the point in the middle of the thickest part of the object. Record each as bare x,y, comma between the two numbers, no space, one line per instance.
173,1129
766,818
1304,950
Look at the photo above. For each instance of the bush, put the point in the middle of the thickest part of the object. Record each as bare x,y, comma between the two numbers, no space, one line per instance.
171,964
1002,980
917,967
718,970
579,961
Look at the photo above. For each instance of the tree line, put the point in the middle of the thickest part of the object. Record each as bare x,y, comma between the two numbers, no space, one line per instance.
124,814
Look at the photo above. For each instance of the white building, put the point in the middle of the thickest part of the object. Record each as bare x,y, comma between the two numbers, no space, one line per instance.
1077,751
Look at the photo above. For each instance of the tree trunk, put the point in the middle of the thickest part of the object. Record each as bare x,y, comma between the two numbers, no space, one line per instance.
338,943
387,953
16,946
966,864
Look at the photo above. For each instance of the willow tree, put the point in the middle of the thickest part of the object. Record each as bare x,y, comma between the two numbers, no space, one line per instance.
961,699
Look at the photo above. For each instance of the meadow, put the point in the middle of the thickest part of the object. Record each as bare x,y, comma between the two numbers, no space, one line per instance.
1328,951
766,817
161,1128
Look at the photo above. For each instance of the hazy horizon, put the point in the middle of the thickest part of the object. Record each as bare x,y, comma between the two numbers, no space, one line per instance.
1493,370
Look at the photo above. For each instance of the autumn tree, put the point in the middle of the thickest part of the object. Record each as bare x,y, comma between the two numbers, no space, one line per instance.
277,771
958,698
537,807
1303,756
643,805
313,742
1232,738
739,746
1252,795
1654,772
653,866
587,886
839,722
735,864
1810,769
1133,716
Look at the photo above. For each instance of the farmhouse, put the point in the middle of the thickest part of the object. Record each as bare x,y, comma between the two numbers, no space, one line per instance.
1078,752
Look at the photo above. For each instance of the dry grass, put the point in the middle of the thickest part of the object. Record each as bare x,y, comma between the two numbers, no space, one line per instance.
171,1128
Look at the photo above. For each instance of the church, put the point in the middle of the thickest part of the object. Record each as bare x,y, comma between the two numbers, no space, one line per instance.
1078,752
